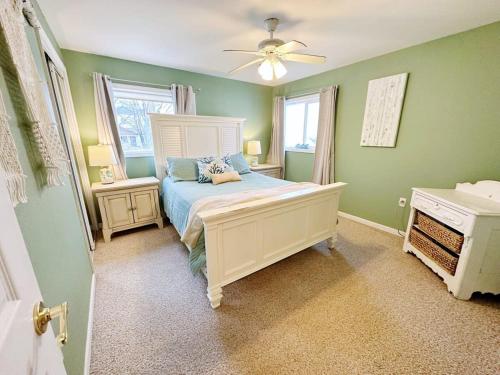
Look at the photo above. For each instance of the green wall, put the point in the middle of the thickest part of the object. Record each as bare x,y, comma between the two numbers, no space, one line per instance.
298,166
449,130
218,97
52,232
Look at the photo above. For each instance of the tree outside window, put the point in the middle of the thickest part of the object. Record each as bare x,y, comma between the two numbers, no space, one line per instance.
132,105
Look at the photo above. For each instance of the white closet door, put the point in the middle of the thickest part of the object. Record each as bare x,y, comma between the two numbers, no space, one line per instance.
60,107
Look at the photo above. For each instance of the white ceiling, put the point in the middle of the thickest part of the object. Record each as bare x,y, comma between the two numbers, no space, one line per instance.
191,34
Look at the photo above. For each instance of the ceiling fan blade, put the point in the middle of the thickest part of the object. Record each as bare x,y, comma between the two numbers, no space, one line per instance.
290,46
256,53
304,58
245,65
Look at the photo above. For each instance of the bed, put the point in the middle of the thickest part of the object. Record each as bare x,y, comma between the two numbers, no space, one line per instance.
243,237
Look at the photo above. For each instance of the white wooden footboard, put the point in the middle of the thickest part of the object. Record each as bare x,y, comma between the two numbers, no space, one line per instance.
245,238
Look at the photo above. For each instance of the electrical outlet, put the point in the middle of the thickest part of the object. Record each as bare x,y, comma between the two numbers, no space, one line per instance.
402,202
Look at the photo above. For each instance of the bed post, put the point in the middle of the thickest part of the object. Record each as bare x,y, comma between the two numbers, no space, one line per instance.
330,242
214,289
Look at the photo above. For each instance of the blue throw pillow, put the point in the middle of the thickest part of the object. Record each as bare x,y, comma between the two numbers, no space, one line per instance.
182,169
210,165
239,163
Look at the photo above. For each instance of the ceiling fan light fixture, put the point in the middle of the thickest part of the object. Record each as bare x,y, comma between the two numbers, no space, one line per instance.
272,52
279,69
266,70
270,69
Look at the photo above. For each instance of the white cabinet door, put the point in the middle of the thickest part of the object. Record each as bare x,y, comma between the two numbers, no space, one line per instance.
143,205
118,210
22,351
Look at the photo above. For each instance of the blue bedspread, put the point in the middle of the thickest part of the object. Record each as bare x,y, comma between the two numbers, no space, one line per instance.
179,196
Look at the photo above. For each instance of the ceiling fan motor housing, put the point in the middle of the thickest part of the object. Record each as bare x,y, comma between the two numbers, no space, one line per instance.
270,44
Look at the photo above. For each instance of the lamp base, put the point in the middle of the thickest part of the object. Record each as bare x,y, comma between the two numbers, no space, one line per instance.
106,175
254,161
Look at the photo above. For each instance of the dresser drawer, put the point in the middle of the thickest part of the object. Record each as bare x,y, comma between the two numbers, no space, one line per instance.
455,219
432,250
443,234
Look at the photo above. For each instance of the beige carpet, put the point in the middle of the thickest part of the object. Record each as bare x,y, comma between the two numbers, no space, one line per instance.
367,308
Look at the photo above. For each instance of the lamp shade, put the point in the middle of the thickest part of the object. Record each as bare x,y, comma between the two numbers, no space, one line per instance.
101,156
253,148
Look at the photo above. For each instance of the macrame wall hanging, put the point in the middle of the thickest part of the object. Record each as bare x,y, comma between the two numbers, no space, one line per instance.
19,62
10,166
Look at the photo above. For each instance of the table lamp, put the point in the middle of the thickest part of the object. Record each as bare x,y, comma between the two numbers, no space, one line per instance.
103,156
253,148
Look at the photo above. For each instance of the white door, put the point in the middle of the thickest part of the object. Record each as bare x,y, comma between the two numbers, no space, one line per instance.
22,350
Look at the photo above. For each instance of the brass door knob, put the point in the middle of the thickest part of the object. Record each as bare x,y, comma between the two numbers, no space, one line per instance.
43,315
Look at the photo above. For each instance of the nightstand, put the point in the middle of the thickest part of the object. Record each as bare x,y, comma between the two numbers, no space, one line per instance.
270,170
127,204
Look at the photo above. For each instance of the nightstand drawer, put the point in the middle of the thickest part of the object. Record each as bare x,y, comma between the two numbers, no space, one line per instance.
270,170
276,173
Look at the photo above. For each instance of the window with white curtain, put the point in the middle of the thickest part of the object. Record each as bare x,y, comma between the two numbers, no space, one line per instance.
301,123
132,105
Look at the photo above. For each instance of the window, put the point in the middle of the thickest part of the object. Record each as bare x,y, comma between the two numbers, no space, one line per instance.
132,105
301,123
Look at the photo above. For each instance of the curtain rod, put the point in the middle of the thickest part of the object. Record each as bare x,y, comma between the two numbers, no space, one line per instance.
299,93
302,94
141,83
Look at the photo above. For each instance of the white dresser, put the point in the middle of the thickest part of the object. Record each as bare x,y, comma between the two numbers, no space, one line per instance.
456,232
128,204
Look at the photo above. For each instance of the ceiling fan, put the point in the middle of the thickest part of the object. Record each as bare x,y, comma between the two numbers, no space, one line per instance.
272,52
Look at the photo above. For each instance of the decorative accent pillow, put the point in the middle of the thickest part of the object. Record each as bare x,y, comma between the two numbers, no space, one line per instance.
210,165
182,169
239,163
225,177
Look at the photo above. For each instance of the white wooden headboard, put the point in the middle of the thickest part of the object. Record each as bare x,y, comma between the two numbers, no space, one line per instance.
188,136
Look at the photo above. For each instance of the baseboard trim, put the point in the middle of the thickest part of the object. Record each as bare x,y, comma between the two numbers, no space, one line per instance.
372,224
88,345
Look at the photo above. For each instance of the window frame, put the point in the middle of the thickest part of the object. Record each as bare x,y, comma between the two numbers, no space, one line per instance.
306,99
146,93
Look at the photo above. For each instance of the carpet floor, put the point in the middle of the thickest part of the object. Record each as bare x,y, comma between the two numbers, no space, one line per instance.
366,308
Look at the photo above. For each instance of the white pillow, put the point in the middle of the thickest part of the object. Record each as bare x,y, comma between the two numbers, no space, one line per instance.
225,177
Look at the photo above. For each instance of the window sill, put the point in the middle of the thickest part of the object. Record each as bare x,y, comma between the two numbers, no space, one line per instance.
139,155
302,150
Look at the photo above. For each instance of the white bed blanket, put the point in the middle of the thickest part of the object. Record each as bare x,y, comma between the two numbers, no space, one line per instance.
194,227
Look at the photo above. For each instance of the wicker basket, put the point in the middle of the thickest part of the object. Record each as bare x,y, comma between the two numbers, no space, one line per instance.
431,249
445,236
